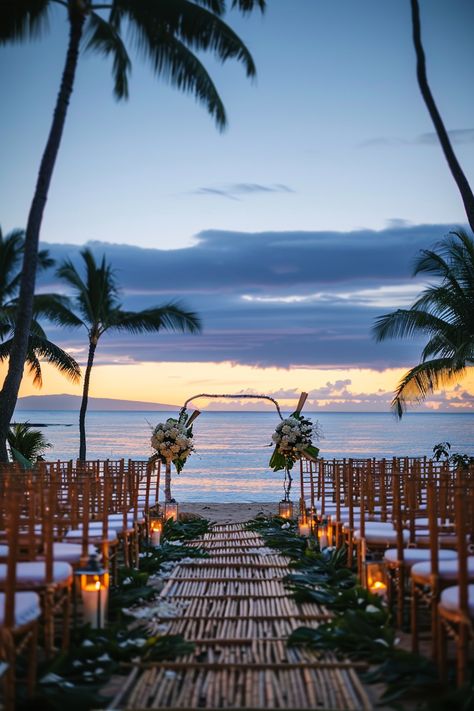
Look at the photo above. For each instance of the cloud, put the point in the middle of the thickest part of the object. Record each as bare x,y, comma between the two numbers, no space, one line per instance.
458,136
238,189
267,299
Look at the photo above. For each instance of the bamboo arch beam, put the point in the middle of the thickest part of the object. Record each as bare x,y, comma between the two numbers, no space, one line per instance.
246,396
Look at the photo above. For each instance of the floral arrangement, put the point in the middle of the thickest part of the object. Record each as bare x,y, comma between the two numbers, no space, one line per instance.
173,440
293,438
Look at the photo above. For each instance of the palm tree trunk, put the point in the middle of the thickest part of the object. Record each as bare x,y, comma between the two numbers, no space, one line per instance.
454,166
85,398
11,386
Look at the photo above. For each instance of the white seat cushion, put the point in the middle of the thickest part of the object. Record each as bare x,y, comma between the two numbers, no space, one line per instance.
35,572
71,552
447,569
386,525
450,599
65,552
417,555
381,536
95,534
27,607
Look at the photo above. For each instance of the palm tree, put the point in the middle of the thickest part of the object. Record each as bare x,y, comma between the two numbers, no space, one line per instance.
461,181
99,310
167,33
11,250
444,313
27,443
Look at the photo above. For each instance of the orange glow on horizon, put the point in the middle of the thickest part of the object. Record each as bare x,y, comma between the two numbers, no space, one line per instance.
172,383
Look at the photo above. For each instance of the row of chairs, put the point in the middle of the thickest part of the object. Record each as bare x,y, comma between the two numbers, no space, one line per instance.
417,516
52,519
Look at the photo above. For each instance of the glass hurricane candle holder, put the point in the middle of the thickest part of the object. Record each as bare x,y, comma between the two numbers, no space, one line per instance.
156,529
285,509
94,588
304,527
375,577
171,510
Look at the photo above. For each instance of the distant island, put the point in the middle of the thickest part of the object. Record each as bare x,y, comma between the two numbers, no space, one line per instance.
73,402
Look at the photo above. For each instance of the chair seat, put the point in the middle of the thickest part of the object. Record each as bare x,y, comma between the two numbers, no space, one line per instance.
450,599
95,534
417,555
27,608
64,552
447,569
381,536
70,552
369,525
34,573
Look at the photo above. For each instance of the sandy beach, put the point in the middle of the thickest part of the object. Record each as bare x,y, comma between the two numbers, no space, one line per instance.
229,513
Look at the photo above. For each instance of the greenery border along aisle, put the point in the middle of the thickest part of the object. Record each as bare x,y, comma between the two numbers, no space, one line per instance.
76,680
361,627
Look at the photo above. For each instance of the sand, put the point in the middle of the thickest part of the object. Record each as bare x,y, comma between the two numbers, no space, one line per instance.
229,513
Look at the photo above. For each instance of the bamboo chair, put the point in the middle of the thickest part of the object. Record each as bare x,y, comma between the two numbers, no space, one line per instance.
430,578
400,558
456,606
51,579
19,616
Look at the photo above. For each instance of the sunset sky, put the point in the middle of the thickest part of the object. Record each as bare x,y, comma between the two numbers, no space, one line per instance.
289,233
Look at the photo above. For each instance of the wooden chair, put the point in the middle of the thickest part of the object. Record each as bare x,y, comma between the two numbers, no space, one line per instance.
19,615
456,606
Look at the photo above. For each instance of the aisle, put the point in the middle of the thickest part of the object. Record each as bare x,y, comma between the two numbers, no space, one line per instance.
236,609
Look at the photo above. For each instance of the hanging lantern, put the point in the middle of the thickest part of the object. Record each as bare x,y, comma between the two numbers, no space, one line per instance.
285,509
375,577
94,585
156,529
171,510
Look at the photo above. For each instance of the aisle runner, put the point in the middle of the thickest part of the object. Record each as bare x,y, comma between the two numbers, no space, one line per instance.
237,611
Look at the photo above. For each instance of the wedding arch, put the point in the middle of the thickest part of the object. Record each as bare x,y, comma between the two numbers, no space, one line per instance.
182,431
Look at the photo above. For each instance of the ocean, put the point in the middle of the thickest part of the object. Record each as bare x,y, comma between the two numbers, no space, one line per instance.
231,458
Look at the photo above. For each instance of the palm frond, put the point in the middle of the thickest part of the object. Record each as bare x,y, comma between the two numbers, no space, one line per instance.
22,19
246,6
104,37
170,317
423,380
51,353
404,323
34,369
57,309
30,443
11,248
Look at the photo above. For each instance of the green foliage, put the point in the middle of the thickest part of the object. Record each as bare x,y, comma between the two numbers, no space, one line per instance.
45,305
185,530
29,443
441,451
443,314
93,657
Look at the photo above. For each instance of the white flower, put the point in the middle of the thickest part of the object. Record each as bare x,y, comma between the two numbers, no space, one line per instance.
372,608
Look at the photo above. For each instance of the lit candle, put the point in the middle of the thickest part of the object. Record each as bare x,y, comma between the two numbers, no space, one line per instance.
156,529
378,588
323,538
304,529
94,601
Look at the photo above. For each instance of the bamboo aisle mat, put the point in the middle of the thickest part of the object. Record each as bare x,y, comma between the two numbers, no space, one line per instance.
235,608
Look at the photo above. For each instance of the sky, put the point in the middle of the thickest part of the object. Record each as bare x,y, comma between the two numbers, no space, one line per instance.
289,233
